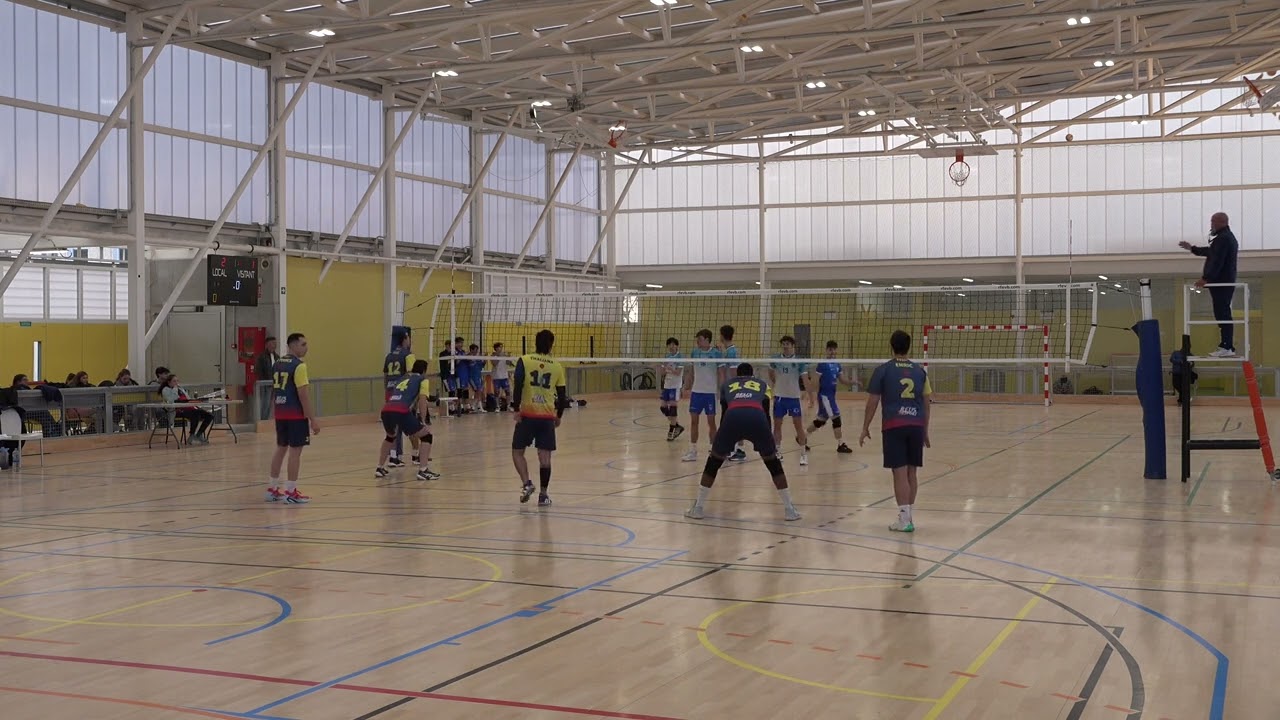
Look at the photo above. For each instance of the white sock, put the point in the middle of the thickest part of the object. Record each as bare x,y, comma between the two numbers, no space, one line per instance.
904,514
693,447
273,483
703,492
290,485
785,494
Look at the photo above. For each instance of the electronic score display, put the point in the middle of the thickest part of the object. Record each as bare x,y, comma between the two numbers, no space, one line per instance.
233,280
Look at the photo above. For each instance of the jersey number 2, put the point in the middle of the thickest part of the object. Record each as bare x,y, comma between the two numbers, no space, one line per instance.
542,380
908,388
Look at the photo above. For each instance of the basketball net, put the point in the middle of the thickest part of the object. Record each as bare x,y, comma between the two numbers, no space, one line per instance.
1254,97
959,170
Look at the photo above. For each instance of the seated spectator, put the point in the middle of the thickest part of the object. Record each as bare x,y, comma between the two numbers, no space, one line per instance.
199,418
9,400
125,378
162,374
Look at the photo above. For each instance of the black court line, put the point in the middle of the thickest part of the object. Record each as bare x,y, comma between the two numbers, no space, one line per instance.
127,504
541,643
42,542
1091,683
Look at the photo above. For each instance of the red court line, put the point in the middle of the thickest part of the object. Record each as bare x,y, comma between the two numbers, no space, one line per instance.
1072,698
963,674
310,683
1014,685
121,701
915,665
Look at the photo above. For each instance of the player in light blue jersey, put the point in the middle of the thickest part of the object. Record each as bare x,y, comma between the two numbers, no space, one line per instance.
672,375
701,386
830,375
786,378
728,370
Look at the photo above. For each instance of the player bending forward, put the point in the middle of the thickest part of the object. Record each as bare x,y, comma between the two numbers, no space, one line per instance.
702,400
405,413
903,387
745,404
787,378
295,420
540,400
830,375
672,382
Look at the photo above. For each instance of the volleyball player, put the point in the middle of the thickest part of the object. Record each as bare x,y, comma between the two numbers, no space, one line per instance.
476,377
540,401
501,382
448,378
462,368
406,413
730,352
672,384
701,388
903,387
830,375
295,419
394,366
745,405
787,377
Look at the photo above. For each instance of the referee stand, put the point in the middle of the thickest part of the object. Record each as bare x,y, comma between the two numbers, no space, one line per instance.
1190,444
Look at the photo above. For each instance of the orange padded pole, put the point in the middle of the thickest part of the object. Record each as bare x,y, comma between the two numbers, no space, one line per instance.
1259,418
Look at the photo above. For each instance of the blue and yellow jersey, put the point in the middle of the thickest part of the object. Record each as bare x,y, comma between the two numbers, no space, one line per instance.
397,363
540,382
404,394
288,374
903,387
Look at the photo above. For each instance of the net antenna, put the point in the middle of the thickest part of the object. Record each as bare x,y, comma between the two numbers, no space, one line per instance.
959,170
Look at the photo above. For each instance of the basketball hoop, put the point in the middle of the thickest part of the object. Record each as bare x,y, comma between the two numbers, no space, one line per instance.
1255,96
959,170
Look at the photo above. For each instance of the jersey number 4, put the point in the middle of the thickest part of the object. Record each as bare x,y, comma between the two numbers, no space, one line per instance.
282,380
908,388
542,380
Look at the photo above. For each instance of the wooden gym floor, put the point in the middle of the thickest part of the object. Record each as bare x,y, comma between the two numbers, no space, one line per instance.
1046,579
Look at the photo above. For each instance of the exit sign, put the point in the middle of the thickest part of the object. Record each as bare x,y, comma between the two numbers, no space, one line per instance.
25,323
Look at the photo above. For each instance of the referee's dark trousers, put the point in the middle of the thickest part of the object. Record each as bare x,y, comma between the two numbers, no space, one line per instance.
1222,313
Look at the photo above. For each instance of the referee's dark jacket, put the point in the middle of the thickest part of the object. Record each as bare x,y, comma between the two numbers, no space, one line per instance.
1219,257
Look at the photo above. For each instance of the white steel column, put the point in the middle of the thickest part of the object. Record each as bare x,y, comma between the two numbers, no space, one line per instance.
245,180
766,301
476,157
390,218
108,127
548,206
1019,276
277,178
550,194
137,207
607,232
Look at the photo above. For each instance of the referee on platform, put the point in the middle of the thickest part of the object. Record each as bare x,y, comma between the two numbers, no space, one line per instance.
1219,267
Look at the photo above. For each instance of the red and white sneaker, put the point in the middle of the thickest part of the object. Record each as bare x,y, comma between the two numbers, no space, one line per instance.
296,498
274,495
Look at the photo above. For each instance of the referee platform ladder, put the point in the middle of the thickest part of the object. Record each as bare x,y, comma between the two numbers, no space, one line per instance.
1190,444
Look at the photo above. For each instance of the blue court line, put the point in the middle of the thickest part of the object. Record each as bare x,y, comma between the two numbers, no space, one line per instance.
285,609
256,713
630,535
241,715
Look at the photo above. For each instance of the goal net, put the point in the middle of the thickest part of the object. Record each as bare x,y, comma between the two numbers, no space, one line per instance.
632,328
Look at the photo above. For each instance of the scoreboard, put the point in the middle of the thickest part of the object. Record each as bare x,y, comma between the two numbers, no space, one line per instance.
233,280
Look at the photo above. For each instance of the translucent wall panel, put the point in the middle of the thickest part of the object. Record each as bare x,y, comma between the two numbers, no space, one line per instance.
521,166
24,298
705,236
689,187
576,233
425,211
64,293
507,223
323,196
582,188
95,294
336,124
38,151
436,149
57,60
202,93
188,178
122,294
892,178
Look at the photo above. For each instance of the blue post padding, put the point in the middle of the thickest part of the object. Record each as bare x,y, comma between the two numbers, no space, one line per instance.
1150,382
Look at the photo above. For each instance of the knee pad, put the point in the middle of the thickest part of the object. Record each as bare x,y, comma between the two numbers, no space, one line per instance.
775,466
819,422
428,438
713,465
835,422
391,439
669,411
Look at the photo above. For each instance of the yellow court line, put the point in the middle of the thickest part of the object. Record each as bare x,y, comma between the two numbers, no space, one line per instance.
67,623
960,683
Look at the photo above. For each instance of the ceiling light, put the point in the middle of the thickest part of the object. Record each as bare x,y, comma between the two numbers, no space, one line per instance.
1128,96
651,285
1139,122
1104,292
541,103
871,112
1097,63
322,32
305,7
897,287
1103,277
751,49
617,127
1109,63
1085,20
446,73
661,3
1117,97
815,84
959,294
862,113
864,282
1118,285
1072,21
967,279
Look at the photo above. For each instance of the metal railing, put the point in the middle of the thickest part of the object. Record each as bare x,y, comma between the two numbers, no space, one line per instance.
107,410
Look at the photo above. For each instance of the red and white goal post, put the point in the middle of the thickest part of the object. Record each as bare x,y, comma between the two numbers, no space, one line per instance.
1044,330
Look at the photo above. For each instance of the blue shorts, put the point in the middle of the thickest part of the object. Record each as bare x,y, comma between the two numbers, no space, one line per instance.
476,382
903,446
450,383
827,407
504,385
786,407
702,404
405,423
670,396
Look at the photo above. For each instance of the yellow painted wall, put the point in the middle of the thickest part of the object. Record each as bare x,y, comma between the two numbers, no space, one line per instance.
341,317
100,349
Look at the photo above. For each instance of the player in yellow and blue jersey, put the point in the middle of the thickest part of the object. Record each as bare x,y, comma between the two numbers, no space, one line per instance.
406,413
394,366
540,400
295,419
903,388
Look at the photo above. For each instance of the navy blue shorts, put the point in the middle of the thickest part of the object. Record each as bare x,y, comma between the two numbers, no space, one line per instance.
670,395
903,446
702,404
538,432
406,423
503,385
293,433
741,424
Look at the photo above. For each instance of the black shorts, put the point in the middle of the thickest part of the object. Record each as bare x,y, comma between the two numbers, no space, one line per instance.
747,424
903,447
293,433
538,432
406,423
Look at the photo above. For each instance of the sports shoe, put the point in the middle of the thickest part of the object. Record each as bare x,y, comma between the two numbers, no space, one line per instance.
1223,353
790,513
296,498
526,493
395,462
690,456
381,472
424,474
544,500
844,449
804,457
898,526
274,495
738,454
694,513
416,459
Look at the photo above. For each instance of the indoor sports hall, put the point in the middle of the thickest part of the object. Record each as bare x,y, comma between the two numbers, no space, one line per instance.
644,359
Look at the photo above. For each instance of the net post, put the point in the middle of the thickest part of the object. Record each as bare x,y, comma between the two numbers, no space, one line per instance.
924,346
453,329
1187,369
1066,344
1046,366
1260,419
1246,321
